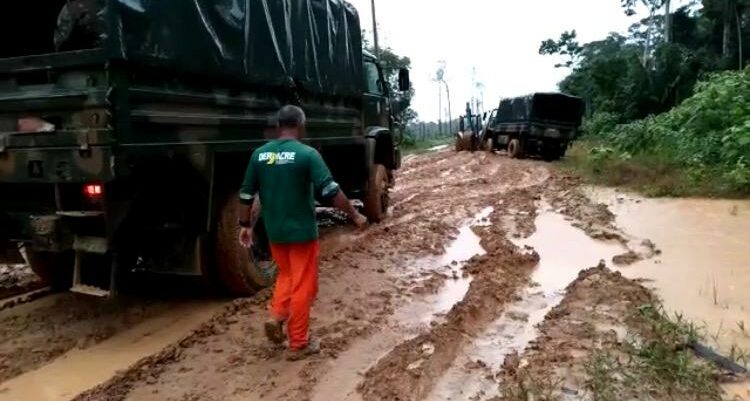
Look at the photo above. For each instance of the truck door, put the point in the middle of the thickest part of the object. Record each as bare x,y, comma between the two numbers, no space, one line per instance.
376,106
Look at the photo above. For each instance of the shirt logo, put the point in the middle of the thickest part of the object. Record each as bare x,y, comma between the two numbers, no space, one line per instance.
277,158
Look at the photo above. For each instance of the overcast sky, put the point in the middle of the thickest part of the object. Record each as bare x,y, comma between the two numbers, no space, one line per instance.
499,39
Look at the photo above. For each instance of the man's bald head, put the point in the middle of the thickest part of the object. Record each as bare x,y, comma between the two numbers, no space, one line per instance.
291,122
291,117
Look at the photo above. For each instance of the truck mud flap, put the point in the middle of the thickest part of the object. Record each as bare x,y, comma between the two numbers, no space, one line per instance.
10,254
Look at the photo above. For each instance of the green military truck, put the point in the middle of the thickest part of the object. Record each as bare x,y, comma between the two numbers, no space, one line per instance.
541,124
126,127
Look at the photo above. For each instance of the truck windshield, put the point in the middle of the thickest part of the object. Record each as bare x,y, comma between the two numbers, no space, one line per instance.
48,26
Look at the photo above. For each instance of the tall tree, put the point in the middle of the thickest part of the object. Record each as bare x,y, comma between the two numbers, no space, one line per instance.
653,6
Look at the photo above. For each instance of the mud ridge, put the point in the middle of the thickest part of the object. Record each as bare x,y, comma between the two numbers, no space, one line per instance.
585,347
409,371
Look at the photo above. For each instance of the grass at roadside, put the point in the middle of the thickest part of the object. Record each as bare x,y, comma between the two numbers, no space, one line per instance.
648,173
657,363
414,146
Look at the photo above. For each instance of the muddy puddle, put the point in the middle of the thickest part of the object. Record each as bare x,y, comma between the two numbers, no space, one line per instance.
81,369
421,312
564,251
341,377
703,270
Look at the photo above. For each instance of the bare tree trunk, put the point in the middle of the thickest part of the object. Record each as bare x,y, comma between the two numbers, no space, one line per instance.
647,46
727,28
668,21
738,18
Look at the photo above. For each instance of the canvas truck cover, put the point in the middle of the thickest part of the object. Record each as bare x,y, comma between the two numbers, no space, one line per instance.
312,45
542,107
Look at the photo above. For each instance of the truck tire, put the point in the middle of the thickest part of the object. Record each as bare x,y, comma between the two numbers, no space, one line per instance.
54,268
376,199
515,149
241,271
459,146
488,145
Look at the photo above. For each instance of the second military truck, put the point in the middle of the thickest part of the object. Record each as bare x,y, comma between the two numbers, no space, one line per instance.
542,124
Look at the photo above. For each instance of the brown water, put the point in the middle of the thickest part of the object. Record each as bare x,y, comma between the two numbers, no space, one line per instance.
564,251
79,370
703,271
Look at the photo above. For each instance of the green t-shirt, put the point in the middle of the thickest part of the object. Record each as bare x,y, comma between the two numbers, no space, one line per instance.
287,174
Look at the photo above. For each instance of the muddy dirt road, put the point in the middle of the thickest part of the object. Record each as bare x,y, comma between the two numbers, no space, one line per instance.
464,293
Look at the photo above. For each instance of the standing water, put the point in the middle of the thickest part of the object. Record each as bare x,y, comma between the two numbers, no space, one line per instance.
563,252
703,271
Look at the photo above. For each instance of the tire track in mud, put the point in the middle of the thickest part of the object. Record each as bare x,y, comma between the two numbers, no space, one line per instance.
34,333
410,370
364,278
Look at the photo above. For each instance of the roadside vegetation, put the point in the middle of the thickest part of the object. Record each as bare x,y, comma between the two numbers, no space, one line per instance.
668,104
700,147
413,144
658,363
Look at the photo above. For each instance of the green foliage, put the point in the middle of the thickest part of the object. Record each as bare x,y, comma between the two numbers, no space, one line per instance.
391,63
702,145
600,123
566,46
643,73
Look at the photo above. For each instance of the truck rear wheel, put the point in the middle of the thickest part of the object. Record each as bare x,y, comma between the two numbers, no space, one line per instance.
515,149
488,145
241,271
459,146
376,200
54,268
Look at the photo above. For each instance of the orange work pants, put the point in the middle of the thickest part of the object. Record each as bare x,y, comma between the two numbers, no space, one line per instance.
296,288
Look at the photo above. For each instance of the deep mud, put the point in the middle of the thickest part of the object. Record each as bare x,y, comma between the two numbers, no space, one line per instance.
34,333
16,280
444,280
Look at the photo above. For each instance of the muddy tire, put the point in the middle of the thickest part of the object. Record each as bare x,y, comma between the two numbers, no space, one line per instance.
241,271
55,269
488,145
376,199
459,145
515,149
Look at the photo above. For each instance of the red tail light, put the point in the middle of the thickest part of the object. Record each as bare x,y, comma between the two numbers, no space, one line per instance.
93,190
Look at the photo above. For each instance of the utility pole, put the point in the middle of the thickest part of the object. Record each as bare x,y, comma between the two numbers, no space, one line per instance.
450,118
375,30
440,109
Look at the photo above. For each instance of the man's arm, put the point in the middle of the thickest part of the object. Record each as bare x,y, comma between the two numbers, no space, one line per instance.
342,203
250,213
330,190
249,204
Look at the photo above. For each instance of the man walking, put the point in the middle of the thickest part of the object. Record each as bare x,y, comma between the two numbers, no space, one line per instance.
287,174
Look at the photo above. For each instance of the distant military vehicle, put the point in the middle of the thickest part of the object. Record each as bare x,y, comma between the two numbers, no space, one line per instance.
126,127
470,127
541,124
